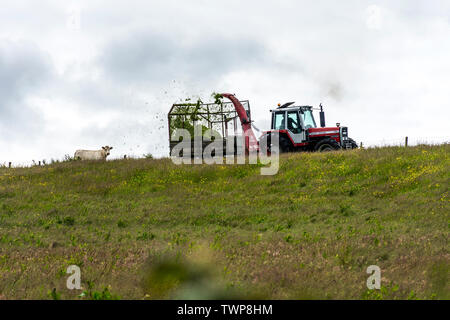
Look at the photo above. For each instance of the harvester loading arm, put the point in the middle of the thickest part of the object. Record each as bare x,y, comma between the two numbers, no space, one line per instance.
251,143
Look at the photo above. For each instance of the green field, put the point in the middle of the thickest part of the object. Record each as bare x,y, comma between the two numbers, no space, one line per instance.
148,229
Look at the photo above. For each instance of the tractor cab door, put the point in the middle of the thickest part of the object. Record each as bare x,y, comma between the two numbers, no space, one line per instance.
295,127
279,120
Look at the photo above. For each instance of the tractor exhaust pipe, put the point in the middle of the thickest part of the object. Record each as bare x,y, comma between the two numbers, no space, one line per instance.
322,117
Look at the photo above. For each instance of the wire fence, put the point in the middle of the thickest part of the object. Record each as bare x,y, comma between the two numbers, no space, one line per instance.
398,142
406,141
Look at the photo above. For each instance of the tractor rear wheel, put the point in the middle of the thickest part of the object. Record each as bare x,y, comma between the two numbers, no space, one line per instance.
284,144
327,145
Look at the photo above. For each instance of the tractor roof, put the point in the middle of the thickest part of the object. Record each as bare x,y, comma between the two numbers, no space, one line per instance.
288,107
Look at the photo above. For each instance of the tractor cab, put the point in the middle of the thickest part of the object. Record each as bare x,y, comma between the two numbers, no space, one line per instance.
297,120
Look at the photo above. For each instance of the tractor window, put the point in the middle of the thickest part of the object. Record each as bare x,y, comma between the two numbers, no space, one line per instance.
294,122
308,119
280,122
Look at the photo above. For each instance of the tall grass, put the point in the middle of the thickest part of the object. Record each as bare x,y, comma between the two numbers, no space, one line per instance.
308,232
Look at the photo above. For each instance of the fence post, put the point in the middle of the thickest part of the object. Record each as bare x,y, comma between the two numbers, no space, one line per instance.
361,145
125,156
406,141
9,165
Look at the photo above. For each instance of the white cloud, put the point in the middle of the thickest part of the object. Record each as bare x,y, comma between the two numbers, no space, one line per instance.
374,17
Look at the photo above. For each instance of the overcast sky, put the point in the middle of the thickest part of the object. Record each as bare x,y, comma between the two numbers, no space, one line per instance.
96,73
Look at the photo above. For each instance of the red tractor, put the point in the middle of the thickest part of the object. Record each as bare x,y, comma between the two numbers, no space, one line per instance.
296,129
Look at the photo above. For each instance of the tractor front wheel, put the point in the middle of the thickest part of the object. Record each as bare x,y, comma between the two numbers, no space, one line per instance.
353,142
327,145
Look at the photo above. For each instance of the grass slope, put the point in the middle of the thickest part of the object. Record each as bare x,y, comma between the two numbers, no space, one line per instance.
150,229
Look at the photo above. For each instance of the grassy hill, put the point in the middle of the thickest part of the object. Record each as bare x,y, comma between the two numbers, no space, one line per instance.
147,228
